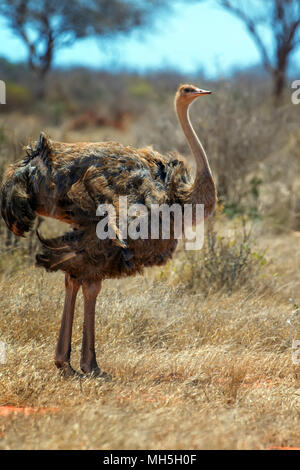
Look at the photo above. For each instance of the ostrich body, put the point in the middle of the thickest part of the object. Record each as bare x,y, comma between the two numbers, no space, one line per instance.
69,181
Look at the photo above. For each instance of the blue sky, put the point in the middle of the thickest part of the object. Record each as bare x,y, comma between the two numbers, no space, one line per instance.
193,38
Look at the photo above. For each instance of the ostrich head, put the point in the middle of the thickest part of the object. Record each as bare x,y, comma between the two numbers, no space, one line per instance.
187,93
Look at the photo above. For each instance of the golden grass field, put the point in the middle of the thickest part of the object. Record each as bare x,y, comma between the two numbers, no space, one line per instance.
188,372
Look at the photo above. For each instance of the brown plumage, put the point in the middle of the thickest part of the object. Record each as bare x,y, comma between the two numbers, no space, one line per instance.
69,181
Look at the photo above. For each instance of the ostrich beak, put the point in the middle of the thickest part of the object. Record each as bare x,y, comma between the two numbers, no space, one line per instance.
202,92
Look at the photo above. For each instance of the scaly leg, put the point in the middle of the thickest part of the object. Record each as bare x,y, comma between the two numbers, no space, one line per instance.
88,362
63,348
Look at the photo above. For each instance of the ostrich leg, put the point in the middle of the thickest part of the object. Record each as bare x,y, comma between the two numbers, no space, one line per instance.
63,348
88,362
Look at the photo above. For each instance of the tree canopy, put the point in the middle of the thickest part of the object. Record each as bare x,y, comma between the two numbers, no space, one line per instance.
278,20
47,25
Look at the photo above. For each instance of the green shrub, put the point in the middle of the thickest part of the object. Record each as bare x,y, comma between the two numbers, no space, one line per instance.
17,96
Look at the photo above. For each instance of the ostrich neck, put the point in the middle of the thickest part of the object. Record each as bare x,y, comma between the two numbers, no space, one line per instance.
203,190
197,149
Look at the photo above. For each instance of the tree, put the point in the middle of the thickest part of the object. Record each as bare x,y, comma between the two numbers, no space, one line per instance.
48,25
281,18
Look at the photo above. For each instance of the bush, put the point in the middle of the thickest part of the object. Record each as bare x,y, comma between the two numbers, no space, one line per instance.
225,263
18,97
239,133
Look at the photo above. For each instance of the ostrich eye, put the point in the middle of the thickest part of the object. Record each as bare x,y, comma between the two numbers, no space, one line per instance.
187,90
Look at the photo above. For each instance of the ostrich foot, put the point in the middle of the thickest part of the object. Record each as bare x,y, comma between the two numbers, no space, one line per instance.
97,373
66,369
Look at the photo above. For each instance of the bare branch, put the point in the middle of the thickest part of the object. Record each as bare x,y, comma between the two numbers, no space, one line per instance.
251,26
58,23
282,18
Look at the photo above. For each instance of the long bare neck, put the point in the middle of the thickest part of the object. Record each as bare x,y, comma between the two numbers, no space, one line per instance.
203,190
193,141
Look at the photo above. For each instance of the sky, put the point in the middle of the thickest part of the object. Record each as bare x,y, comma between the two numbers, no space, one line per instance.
200,37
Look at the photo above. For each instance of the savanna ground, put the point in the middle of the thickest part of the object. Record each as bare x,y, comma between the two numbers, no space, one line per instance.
201,350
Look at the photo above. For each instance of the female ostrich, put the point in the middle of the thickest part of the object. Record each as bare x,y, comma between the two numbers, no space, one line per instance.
69,181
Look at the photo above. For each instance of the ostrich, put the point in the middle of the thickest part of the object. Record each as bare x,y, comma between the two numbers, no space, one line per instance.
68,181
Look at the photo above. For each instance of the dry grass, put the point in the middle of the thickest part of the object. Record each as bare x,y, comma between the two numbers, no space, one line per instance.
187,372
